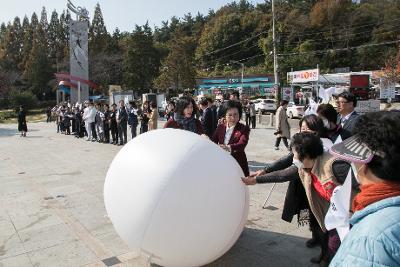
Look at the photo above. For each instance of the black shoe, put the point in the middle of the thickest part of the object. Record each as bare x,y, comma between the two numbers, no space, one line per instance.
311,243
316,259
324,263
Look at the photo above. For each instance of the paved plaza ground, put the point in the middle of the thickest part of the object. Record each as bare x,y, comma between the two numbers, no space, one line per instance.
52,211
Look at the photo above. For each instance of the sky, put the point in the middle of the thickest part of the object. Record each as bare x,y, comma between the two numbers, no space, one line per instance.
123,14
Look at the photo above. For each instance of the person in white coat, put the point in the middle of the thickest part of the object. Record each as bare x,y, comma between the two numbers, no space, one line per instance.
89,115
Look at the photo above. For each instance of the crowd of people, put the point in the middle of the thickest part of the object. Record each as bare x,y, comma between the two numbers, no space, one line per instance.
330,145
320,157
99,123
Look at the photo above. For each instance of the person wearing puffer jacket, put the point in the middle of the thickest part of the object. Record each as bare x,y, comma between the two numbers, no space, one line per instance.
374,238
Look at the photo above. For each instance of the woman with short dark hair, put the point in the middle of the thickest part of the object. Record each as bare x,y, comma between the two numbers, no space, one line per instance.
184,116
232,135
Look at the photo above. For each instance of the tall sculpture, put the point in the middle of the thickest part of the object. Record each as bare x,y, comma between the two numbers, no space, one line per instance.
78,48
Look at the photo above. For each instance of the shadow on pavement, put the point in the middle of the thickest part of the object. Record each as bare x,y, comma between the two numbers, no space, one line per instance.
259,248
5,132
263,248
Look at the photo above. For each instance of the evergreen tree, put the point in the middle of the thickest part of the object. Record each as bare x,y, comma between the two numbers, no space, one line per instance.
11,45
26,43
63,35
98,35
141,60
3,29
55,42
178,70
34,22
38,71
43,19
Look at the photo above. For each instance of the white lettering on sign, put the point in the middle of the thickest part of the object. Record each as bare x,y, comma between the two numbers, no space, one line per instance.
303,76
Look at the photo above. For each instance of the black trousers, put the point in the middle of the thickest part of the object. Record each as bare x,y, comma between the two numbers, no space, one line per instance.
247,119
144,128
134,130
320,236
78,128
93,126
106,128
278,141
114,133
122,132
253,122
73,125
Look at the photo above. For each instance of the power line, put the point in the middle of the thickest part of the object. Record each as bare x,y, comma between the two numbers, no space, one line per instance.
355,27
306,34
346,38
235,44
338,49
229,55
323,51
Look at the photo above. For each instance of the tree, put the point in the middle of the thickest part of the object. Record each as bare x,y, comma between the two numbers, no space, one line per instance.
98,35
43,19
63,34
11,45
178,70
141,60
226,28
26,42
38,71
55,41
392,68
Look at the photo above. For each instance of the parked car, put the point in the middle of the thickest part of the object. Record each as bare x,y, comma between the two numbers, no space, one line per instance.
294,111
265,105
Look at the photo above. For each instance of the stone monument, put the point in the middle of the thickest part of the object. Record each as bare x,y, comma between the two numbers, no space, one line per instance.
78,48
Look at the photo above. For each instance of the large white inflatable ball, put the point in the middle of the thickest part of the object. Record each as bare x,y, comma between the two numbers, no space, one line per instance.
176,197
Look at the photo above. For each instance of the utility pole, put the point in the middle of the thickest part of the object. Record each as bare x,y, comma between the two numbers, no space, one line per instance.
242,65
276,75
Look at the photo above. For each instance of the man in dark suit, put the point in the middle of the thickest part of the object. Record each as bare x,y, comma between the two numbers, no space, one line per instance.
213,108
122,121
346,104
113,124
207,118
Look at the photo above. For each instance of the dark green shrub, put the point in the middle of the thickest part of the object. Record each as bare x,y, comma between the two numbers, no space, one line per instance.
26,99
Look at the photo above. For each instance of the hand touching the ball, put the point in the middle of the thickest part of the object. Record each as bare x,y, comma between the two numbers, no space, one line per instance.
249,180
225,147
252,178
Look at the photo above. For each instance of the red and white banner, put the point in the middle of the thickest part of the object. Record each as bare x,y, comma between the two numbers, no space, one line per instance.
303,76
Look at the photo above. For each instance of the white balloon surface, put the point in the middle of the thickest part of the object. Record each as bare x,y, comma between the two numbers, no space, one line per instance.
176,197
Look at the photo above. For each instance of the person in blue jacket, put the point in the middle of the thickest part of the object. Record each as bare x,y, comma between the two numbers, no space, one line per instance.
374,238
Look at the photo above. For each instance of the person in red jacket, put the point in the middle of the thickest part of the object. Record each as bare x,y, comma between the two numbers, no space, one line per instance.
232,135
184,118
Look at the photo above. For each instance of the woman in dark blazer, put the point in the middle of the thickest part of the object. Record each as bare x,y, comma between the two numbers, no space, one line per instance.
22,127
232,135
184,116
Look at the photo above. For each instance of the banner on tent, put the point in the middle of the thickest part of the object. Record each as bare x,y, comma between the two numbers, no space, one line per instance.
303,76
